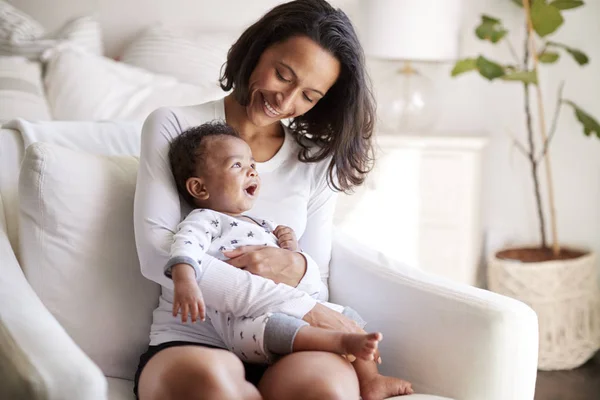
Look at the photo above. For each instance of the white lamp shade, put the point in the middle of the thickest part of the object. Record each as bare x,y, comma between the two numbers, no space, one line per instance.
417,30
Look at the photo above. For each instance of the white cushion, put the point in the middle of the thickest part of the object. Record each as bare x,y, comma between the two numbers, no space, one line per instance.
120,389
22,35
78,251
109,138
104,137
193,57
21,90
84,86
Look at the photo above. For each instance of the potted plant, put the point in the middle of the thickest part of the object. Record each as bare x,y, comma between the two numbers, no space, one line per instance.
559,283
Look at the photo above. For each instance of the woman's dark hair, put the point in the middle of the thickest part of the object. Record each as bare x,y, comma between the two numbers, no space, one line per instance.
188,150
341,123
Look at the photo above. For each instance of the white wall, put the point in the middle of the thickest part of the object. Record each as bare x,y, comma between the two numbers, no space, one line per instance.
469,104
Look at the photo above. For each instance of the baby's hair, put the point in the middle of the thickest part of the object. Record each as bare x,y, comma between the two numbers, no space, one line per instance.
188,150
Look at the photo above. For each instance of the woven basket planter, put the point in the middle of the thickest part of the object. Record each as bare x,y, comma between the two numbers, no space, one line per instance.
566,297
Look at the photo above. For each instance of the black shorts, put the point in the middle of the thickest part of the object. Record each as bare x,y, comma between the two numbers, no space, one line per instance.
254,372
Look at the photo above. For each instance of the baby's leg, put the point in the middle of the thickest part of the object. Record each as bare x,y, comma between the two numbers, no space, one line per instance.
285,334
374,386
360,345
263,339
246,338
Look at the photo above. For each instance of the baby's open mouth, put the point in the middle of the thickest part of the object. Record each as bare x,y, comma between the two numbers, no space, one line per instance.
251,189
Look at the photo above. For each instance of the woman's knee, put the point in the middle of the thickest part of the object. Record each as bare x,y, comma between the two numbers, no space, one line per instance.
331,389
192,373
308,376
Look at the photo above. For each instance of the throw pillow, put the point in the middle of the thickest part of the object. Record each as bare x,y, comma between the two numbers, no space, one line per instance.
193,57
78,251
21,90
84,86
21,35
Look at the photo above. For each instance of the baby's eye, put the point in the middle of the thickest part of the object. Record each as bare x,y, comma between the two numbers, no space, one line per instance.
253,166
237,165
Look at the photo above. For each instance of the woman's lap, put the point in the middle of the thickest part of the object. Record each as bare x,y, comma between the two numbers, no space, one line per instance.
302,375
209,354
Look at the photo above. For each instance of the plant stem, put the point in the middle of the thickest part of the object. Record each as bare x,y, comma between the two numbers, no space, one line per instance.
531,152
554,121
519,145
512,50
549,183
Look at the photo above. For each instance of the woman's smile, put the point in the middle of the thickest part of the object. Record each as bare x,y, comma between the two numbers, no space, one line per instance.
269,110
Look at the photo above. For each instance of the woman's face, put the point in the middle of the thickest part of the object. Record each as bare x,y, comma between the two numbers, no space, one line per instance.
289,79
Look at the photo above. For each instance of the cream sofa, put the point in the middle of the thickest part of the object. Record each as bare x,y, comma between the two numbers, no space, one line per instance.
75,311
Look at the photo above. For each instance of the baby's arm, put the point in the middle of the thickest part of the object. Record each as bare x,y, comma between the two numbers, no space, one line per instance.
192,238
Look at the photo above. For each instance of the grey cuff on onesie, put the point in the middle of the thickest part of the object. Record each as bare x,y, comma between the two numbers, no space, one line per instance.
183,260
281,330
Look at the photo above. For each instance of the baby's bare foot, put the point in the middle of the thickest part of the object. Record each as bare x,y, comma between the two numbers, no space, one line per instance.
361,345
381,387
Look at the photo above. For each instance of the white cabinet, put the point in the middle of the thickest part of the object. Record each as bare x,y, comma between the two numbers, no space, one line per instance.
421,203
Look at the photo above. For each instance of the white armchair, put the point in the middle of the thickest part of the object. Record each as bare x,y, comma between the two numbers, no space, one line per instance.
446,338
58,342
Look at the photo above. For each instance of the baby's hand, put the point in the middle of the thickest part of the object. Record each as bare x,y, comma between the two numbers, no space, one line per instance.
188,298
286,238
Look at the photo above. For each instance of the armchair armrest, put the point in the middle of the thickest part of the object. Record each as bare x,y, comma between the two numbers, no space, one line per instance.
448,339
38,359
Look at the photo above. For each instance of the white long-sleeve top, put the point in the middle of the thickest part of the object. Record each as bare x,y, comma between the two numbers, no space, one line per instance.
293,193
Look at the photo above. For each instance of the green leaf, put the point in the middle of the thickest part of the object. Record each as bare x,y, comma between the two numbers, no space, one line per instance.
465,65
590,125
489,69
566,4
545,17
580,57
529,77
490,29
548,57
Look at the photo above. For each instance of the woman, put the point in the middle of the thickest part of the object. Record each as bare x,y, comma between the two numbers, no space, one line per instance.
301,61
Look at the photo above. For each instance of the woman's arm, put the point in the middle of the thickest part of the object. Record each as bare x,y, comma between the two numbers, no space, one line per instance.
157,213
280,266
318,235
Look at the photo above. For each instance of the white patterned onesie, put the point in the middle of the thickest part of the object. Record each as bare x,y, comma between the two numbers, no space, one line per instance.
256,340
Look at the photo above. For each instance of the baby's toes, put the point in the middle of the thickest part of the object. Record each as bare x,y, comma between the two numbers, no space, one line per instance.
370,346
372,340
368,354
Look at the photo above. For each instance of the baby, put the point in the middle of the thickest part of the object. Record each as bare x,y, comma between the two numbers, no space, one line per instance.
215,172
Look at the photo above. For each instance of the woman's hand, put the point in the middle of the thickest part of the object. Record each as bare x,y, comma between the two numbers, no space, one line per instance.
324,317
278,265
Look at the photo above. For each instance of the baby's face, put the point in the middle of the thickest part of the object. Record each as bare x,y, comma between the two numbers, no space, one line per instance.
229,175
